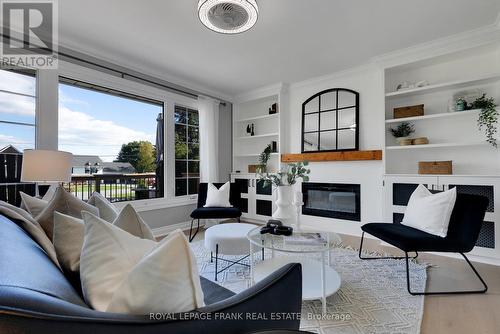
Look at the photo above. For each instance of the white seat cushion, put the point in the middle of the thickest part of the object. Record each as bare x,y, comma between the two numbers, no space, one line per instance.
231,238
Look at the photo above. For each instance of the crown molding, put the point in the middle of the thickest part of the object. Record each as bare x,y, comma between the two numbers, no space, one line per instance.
482,36
262,92
333,76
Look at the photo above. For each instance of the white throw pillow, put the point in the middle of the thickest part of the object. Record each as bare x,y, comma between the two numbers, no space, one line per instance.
122,273
69,234
107,210
430,212
130,221
218,197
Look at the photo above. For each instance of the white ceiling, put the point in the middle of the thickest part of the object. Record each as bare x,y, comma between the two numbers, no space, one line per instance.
293,40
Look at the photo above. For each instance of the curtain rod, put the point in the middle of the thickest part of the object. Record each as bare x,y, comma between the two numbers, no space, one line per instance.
123,72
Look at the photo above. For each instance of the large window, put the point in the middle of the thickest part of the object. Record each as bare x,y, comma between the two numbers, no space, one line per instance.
17,110
187,151
112,136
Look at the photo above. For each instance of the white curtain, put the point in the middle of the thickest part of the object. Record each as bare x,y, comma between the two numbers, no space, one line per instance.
208,109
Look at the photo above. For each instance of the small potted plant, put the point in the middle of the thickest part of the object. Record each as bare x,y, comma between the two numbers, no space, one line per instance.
488,117
402,132
263,159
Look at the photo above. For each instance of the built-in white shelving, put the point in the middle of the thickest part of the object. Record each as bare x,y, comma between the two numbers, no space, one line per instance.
438,145
483,79
434,116
252,110
257,118
251,155
259,136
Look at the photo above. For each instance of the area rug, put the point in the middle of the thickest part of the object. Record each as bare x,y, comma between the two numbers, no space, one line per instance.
372,298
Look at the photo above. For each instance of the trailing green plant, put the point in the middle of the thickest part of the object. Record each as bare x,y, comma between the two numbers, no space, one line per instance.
488,117
264,158
288,175
403,130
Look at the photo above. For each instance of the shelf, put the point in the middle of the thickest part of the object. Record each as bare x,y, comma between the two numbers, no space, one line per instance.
416,147
434,116
334,156
257,118
260,136
446,85
441,175
251,155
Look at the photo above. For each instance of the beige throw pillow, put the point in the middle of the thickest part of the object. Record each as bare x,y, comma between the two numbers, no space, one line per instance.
122,273
130,221
68,241
32,204
69,234
65,203
107,210
46,198
32,227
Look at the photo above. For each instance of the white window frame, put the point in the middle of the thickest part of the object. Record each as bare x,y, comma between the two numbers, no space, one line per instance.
169,100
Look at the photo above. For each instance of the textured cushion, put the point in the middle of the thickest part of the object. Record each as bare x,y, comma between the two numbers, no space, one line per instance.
107,210
130,221
218,197
65,203
215,213
32,204
31,226
410,239
122,273
430,212
46,197
68,241
69,235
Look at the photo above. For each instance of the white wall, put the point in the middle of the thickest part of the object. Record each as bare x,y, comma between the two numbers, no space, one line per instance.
368,81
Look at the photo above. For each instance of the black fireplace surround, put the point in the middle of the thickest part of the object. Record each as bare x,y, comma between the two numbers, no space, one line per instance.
332,200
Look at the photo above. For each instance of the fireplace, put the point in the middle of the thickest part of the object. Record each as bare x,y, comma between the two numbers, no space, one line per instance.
333,200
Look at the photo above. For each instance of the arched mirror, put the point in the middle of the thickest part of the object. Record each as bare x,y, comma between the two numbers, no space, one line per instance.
330,121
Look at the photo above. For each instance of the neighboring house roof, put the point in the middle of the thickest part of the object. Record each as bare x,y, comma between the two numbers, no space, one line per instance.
10,149
117,168
81,160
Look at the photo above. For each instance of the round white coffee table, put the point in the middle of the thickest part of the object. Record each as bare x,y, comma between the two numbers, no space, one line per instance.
319,280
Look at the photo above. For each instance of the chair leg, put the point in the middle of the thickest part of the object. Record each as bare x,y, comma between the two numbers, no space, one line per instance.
381,258
408,284
211,257
191,230
216,260
239,220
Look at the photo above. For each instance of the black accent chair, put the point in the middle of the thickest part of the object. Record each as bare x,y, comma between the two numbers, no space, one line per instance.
215,213
465,224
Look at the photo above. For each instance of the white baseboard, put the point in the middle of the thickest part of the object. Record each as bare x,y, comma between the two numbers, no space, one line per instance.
164,230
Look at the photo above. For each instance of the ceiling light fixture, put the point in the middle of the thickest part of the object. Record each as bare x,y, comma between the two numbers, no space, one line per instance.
228,16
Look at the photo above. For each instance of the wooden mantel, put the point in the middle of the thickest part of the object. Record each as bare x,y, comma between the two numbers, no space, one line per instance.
334,156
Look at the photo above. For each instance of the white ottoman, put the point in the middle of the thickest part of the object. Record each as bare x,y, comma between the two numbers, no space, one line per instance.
228,239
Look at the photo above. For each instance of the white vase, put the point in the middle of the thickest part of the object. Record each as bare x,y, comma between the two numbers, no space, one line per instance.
285,211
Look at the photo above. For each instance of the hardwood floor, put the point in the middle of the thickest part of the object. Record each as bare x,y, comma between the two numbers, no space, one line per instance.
457,314
446,314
